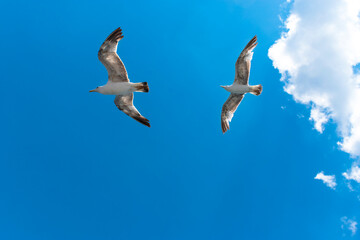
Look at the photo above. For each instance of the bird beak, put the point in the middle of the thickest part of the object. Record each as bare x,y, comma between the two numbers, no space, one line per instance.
92,90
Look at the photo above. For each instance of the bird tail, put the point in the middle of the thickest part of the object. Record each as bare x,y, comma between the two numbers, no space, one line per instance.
256,90
141,87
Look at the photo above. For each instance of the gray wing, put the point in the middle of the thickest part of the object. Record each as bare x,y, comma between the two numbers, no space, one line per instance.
243,64
229,109
125,104
108,56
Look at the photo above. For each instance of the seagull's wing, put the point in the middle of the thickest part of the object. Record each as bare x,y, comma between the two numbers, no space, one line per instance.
229,109
243,64
108,56
125,104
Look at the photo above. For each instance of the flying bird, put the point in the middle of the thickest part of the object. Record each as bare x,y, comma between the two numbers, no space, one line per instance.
240,85
118,82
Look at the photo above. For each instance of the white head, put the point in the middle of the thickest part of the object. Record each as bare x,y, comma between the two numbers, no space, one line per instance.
98,89
227,88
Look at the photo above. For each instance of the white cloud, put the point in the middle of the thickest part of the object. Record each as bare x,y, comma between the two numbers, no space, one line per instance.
315,56
329,180
349,224
353,173
319,118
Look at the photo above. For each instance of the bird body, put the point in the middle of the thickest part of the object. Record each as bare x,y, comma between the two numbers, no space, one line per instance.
119,88
240,86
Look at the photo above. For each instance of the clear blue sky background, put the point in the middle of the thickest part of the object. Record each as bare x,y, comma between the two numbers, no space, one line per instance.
74,167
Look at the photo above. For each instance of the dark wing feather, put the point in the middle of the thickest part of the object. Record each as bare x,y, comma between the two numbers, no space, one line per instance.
243,64
125,104
229,109
108,56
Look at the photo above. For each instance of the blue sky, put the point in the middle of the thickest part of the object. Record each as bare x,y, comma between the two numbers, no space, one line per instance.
75,167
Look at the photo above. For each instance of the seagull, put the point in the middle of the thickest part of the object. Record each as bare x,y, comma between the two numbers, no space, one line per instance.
240,85
118,82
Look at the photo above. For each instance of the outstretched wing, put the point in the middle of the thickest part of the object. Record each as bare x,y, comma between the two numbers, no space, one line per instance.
229,109
125,104
108,56
243,64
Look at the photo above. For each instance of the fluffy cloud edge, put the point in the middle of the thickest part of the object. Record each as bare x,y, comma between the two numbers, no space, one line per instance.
349,224
353,173
328,180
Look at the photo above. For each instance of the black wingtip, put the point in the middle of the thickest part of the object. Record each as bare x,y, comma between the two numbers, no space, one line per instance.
143,120
116,35
224,127
251,44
